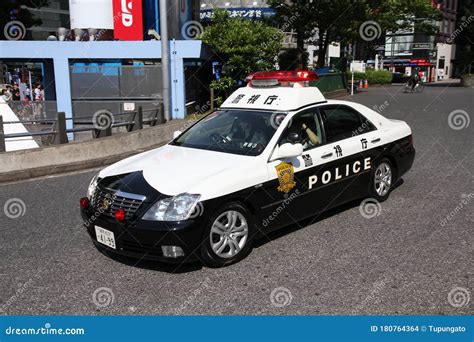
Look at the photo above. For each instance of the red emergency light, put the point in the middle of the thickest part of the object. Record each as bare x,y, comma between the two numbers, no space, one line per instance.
284,76
120,215
84,202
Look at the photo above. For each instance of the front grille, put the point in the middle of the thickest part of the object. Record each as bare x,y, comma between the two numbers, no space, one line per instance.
107,201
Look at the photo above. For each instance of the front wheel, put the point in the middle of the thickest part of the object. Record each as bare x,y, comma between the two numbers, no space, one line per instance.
382,180
228,236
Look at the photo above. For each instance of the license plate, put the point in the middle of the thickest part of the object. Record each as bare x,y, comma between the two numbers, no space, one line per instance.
105,237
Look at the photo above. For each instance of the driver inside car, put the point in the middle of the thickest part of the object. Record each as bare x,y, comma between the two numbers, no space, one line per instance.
312,139
300,132
247,133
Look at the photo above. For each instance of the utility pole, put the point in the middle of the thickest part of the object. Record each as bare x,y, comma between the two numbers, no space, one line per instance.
165,57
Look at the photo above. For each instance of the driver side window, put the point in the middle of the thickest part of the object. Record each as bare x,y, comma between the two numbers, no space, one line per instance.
303,128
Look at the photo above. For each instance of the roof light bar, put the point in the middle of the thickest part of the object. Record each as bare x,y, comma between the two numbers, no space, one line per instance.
274,78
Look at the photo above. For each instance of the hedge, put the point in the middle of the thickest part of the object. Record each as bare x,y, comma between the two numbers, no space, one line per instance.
373,76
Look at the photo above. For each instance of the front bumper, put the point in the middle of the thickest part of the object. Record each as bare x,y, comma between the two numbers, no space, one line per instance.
144,239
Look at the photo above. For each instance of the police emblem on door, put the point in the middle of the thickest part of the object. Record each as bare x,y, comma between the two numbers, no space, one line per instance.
286,177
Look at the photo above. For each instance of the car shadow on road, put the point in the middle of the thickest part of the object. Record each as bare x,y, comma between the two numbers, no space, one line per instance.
313,219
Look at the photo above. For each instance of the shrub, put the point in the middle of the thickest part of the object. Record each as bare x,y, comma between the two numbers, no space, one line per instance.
373,76
379,76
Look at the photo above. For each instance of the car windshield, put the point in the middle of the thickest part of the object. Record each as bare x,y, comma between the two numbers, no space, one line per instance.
241,132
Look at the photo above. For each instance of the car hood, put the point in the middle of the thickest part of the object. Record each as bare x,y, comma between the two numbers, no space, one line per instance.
172,170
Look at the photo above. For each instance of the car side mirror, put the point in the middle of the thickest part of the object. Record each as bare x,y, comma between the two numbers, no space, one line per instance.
288,151
176,134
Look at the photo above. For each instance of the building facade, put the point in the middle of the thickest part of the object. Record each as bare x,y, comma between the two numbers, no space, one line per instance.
92,55
433,55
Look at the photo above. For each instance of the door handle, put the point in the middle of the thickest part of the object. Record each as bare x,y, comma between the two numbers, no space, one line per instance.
327,155
375,140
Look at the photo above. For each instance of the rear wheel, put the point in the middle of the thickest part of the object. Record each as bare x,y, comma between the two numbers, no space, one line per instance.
382,180
228,236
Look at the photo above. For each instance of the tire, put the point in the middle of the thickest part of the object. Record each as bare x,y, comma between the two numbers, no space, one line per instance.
382,180
224,244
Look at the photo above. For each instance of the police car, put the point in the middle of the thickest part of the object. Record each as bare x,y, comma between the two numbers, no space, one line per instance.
274,153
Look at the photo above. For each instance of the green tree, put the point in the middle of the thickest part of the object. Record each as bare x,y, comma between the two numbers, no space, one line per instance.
243,46
341,20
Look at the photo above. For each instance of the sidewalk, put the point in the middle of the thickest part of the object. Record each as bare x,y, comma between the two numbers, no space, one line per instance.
450,82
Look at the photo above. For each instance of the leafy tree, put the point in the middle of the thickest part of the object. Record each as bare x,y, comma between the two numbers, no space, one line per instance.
18,10
243,46
340,20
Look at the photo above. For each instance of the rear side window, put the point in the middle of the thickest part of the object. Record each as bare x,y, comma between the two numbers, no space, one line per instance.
342,122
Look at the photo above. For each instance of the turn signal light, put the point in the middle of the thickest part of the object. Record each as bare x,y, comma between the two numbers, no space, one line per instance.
84,202
120,215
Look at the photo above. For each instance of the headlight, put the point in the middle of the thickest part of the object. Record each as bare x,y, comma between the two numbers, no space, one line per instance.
177,208
92,186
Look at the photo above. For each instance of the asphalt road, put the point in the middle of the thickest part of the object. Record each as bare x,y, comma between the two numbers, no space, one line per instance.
406,260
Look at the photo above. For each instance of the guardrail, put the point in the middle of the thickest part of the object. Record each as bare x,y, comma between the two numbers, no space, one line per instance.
59,132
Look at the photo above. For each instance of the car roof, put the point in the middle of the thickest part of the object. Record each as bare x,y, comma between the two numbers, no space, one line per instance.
274,98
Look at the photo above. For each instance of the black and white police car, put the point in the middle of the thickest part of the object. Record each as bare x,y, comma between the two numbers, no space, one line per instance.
276,151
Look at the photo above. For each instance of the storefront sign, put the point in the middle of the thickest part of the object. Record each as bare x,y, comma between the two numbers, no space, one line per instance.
128,20
244,13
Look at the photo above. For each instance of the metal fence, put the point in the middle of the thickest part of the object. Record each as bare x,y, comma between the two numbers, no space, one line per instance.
30,110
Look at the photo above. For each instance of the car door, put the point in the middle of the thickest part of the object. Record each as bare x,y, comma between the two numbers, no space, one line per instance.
299,196
350,136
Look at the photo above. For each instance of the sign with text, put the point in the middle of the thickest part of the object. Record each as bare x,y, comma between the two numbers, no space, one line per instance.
128,19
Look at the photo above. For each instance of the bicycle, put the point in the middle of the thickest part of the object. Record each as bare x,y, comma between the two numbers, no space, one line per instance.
418,88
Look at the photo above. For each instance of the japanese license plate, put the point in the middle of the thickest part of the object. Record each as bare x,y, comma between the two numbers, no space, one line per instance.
105,237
